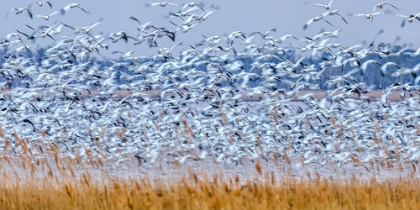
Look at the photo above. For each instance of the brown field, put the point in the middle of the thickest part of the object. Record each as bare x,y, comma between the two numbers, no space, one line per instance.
202,193
62,183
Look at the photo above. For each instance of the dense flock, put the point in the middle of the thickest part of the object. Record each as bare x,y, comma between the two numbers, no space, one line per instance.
228,99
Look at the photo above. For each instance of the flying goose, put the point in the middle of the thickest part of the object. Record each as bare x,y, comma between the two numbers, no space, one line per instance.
381,5
193,4
264,35
334,12
30,37
21,10
315,19
41,3
365,64
183,28
367,16
47,17
385,66
326,6
410,18
72,6
161,4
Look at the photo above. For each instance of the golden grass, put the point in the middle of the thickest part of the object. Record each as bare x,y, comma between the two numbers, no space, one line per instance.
203,194
52,181
61,186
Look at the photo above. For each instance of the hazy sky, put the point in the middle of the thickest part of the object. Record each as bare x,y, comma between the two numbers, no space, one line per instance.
288,16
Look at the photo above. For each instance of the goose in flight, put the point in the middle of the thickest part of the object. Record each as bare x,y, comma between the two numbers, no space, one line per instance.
413,54
193,4
334,12
21,10
410,18
184,28
47,17
40,34
41,3
264,35
161,4
326,6
367,16
30,37
143,27
381,5
168,51
315,19
365,64
72,6
385,66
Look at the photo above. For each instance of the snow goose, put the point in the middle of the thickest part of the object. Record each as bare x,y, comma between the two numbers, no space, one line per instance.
326,6
410,18
381,5
21,10
47,17
334,12
161,4
315,19
64,10
41,3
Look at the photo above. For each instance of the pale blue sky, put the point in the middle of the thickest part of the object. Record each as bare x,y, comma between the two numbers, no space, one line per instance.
288,16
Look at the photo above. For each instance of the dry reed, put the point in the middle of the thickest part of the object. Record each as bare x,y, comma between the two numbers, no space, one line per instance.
59,188
65,182
317,193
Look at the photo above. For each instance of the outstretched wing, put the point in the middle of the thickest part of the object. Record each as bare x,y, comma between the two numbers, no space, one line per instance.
308,23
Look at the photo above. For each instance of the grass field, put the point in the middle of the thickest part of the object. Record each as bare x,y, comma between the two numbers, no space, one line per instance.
59,185
53,180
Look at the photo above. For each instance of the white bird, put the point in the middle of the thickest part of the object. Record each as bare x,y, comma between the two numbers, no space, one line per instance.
410,18
168,51
192,4
367,16
364,65
183,28
385,66
264,35
204,15
287,36
334,12
47,17
315,19
21,10
161,4
326,6
381,5
41,3
414,54
64,10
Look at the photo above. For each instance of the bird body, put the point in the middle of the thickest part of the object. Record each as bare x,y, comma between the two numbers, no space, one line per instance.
47,17
65,9
161,4
368,16
381,5
21,10
325,6
315,19
41,3
410,18
335,12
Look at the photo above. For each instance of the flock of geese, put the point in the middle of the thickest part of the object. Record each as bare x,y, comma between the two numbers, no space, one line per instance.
195,104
